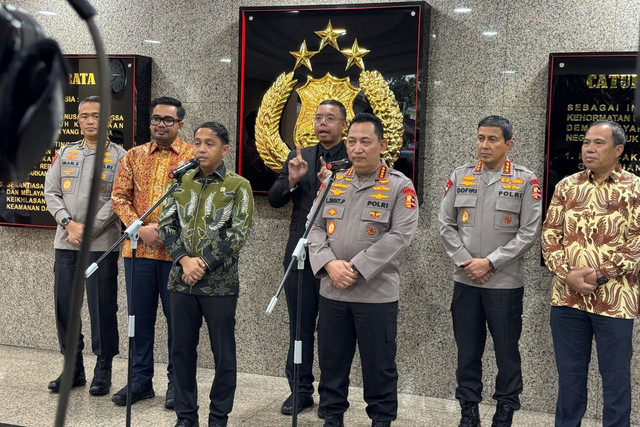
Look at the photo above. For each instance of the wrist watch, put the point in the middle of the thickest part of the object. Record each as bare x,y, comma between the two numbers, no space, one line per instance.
602,279
65,222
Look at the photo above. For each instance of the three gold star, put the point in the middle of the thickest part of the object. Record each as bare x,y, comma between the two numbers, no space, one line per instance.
329,36
303,56
354,55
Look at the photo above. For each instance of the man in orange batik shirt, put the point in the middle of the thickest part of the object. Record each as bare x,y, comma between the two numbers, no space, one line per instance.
142,180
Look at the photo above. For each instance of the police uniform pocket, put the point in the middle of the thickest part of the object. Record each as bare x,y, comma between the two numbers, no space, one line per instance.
507,213
466,207
373,223
333,216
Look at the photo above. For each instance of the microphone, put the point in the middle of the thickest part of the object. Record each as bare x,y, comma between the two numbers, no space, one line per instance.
177,173
339,165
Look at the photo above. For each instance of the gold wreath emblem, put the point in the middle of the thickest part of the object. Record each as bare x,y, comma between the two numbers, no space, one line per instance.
274,151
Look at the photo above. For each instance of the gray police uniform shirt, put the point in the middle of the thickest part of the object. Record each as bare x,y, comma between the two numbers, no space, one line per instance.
494,216
66,191
369,224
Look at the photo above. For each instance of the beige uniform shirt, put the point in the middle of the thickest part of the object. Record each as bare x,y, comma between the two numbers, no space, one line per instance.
369,224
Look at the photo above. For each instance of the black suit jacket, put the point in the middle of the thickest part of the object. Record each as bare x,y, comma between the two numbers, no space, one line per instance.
302,196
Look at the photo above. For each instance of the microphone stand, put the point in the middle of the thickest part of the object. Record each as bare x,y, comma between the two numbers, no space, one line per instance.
298,256
132,234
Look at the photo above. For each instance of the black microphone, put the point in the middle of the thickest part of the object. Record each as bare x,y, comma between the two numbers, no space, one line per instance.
177,173
339,165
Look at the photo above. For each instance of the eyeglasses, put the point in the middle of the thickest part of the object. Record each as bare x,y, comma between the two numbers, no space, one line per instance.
168,120
328,119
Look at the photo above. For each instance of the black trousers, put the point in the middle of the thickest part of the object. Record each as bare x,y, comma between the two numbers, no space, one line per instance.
374,328
473,309
187,312
308,317
102,301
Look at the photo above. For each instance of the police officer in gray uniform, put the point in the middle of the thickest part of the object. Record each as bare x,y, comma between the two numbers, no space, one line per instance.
367,219
66,190
489,218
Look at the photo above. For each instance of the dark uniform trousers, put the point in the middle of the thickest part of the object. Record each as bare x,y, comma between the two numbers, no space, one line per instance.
473,309
102,300
374,326
308,317
219,312
150,282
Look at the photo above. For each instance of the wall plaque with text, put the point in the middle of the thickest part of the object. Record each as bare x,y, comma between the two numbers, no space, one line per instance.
583,88
130,80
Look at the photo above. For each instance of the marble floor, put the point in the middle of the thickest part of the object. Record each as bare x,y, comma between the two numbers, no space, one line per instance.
24,374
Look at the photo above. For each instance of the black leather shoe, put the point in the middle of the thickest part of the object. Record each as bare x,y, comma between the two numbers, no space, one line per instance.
304,401
375,423
503,416
470,414
334,420
183,422
79,379
137,393
321,412
101,383
169,399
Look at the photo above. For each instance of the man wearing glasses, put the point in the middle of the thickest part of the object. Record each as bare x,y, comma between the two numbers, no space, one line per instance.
299,181
141,181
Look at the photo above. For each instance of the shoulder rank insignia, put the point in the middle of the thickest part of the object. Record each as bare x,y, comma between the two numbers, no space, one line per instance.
478,168
382,172
506,169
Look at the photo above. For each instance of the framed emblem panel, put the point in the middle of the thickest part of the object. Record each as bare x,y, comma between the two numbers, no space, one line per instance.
371,58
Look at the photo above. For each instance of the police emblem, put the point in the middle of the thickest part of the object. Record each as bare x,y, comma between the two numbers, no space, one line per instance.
371,231
66,184
331,228
508,219
464,215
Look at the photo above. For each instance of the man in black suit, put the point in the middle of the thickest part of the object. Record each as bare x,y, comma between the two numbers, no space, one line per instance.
299,182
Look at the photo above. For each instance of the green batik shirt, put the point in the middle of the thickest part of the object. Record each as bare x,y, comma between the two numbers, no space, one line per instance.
207,217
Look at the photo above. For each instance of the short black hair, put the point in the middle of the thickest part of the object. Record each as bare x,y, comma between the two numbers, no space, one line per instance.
166,100
92,98
218,128
338,104
378,129
616,130
501,122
